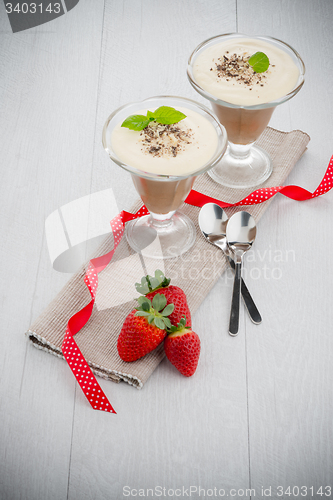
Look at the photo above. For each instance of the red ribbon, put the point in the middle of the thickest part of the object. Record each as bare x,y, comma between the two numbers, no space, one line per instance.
70,349
260,195
72,353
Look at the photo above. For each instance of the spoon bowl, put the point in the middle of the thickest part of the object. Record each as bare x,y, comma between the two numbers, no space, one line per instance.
241,233
213,225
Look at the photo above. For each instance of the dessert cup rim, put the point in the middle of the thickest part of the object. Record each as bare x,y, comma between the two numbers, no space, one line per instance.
221,148
269,104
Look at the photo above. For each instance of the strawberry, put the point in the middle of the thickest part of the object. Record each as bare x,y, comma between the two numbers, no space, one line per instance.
150,286
182,348
144,328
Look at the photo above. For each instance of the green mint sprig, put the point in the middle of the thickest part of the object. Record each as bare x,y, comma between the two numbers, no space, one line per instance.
259,62
164,115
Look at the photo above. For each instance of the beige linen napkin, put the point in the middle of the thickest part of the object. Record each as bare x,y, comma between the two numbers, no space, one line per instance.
196,272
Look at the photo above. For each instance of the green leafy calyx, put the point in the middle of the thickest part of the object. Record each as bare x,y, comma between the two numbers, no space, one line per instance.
164,115
181,326
152,283
259,62
155,311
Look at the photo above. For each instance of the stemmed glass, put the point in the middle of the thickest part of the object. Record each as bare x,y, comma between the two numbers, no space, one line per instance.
166,232
245,164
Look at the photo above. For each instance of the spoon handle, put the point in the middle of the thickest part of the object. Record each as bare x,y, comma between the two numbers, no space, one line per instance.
248,300
250,305
235,303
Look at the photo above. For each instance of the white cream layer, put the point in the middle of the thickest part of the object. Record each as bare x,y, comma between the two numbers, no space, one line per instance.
281,76
128,147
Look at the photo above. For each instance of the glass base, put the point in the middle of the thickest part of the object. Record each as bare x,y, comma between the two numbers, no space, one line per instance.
161,239
237,171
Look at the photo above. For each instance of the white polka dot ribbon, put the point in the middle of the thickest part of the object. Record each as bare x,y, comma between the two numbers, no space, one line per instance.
71,352
260,195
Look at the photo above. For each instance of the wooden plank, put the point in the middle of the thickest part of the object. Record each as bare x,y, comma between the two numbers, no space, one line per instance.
49,78
258,411
289,369
175,432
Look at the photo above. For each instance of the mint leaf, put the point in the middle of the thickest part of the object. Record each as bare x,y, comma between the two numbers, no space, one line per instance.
167,115
259,62
150,115
136,122
164,115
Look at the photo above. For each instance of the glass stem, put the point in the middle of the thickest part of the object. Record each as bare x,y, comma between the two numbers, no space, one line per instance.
161,221
240,151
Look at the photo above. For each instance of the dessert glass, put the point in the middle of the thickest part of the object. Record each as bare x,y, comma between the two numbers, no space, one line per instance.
245,164
166,232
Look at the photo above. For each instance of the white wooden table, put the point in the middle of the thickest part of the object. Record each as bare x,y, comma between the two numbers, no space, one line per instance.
258,413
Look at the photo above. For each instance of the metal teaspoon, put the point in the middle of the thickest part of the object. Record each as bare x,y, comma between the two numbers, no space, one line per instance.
213,223
241,233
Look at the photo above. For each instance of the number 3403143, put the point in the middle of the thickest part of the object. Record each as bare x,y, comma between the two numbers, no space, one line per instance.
33,8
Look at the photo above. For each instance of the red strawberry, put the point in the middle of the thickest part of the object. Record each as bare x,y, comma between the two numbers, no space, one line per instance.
182,348
144,328
150,286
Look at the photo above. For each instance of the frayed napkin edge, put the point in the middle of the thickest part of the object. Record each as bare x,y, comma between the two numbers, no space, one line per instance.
41,343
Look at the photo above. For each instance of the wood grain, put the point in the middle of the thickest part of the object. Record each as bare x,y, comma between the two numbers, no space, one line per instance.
289,369
258,412
49,82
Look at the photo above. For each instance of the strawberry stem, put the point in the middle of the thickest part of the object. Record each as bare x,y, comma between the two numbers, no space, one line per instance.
151,283
156,311
181,326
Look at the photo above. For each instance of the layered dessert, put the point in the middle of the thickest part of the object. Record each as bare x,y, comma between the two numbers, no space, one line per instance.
222,70
164,142
177,149
173,152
